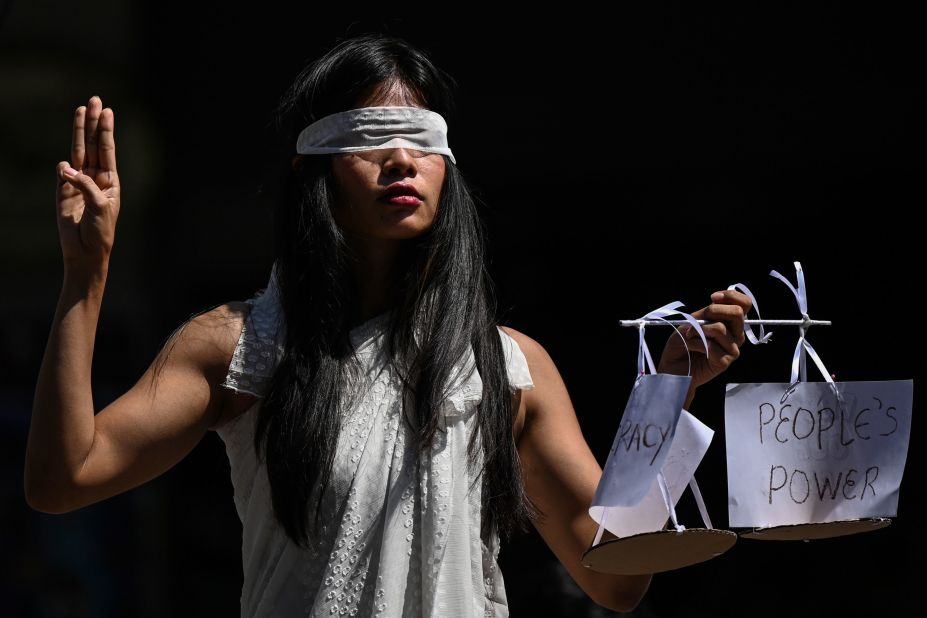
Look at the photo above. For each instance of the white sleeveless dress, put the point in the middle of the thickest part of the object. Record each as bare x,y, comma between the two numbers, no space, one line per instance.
404,534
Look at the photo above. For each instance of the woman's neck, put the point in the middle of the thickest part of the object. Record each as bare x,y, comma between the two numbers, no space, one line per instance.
374,271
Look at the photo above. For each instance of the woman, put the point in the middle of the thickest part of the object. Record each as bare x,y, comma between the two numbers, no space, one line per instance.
382,430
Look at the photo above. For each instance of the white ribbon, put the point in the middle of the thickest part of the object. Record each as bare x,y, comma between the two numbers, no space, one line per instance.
643,352
668,501
803,345
763,338
799,371
599,531
801,293
700,502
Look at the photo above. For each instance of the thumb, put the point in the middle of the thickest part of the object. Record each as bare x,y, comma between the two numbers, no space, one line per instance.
84,183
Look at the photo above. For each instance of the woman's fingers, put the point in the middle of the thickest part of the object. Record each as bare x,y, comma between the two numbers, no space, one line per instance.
65,172
91,137
730,306
724,338
78,148
93,196
66,200
717,334
723,330
107,140
730,315
722,355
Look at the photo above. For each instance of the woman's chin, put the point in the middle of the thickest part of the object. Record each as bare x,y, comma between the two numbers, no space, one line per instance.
403,232
409,225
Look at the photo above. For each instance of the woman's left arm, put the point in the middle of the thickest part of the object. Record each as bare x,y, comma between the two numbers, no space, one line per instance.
561,475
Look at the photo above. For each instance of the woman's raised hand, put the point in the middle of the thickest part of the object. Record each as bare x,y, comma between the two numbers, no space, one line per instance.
87,196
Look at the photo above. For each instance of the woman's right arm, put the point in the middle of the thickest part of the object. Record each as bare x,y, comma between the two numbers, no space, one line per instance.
75,457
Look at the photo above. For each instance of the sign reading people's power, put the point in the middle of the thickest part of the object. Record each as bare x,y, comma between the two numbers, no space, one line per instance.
804,453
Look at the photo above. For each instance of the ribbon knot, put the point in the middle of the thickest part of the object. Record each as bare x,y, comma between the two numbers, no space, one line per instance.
799,372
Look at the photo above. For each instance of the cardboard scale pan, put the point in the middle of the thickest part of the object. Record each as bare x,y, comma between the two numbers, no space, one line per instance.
812,531
654,552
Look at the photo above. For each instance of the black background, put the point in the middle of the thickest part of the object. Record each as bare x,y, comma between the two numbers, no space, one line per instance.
624,159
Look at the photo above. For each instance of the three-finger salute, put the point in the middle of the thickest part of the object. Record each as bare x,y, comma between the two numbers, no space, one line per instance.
88,190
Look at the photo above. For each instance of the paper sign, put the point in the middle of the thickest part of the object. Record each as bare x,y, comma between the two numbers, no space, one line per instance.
643,440
690,444
803,455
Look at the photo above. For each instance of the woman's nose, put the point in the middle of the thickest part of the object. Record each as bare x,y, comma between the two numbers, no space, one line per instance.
398,160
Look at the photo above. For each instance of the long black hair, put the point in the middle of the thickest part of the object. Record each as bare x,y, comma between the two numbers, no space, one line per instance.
442,292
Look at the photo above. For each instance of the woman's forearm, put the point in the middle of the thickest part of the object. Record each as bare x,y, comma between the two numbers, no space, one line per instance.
61,430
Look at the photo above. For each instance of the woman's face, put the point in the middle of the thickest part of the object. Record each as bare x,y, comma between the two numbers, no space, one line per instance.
361,204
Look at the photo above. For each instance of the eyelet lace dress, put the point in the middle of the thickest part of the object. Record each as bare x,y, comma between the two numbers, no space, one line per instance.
401,531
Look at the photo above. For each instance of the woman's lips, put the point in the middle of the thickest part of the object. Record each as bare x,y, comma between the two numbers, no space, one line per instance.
403,200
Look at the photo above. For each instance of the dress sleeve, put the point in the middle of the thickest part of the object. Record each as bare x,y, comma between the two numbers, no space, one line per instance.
464,397
516,363
260,345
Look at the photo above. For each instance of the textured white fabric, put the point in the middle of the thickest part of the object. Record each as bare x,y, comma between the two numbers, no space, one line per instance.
372,128
401,534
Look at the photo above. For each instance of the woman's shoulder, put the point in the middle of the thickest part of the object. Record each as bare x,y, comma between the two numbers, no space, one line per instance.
523,340
533,351
217,333
212,335
527,369
530,360
541,367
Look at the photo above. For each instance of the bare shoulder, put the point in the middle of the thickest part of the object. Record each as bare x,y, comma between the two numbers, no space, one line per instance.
209,339
526,343
549,392
213,334
539,361
544,374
